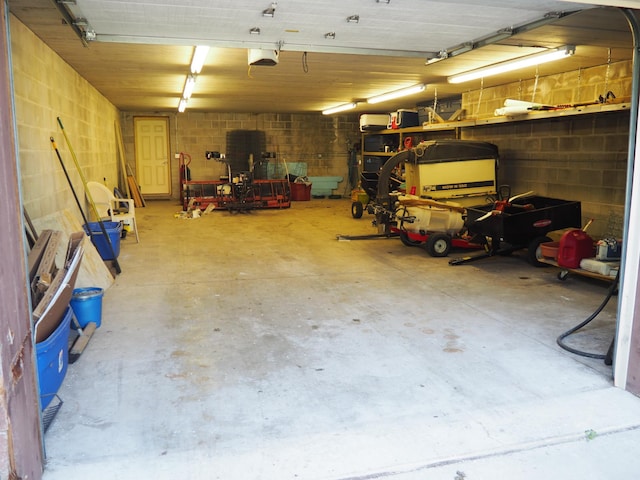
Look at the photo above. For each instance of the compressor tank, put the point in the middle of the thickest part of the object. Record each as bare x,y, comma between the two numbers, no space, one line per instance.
430,218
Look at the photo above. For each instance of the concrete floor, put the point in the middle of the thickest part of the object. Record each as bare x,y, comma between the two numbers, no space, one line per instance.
257,346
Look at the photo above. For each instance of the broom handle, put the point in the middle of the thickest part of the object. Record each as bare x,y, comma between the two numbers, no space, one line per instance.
82,177
90,198
66,174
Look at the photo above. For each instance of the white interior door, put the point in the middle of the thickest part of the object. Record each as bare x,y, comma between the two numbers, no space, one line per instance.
153,162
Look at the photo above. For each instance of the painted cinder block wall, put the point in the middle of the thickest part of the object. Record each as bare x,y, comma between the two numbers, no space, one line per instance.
322,142
46,87
582,157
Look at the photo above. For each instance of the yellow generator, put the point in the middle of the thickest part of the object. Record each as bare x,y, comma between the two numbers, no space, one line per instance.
457,170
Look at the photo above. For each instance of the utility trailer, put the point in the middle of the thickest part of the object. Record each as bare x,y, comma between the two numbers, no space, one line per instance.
520,222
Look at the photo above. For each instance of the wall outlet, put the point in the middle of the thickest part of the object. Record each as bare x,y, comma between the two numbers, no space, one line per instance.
177,156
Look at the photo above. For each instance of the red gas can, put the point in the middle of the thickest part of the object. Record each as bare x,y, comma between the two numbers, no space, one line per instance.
574,246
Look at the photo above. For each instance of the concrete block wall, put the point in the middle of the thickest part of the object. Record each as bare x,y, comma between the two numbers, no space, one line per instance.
321,142
46,87
579,86
581,157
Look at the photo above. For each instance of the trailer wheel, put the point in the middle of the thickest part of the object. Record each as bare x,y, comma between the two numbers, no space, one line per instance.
438,245
533,251
356,209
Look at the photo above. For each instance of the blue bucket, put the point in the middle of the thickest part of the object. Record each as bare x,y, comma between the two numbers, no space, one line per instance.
103,244
87,305
52,358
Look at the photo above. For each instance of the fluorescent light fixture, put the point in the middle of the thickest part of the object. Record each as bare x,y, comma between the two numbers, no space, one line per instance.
518,63
199,56
188,87
255,31
339,108
403,92
182,106
353,19
330,35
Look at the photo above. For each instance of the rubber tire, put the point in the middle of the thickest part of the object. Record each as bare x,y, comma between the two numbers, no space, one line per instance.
438,245
533,250
356,209
404,238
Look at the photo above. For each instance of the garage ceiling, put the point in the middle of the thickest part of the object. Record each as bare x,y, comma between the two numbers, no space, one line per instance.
142,49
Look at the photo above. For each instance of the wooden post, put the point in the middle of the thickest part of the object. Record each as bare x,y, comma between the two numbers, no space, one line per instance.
21,452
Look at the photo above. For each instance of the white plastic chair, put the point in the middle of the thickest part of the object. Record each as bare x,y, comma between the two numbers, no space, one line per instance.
108,206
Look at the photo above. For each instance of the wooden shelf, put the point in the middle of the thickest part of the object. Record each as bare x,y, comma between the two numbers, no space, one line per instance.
379,154
532,115
448,125
401,133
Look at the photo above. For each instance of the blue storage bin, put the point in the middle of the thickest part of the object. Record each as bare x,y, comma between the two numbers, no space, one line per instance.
114,231
52,359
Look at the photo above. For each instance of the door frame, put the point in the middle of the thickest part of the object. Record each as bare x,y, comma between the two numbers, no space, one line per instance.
136,118
21,437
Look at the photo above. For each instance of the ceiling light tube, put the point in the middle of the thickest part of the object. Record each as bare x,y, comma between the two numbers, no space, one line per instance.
518,63
182,106
199,56
339,108
403,92
189,85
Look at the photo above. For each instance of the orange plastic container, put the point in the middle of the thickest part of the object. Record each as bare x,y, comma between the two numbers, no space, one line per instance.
550,250
574,246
